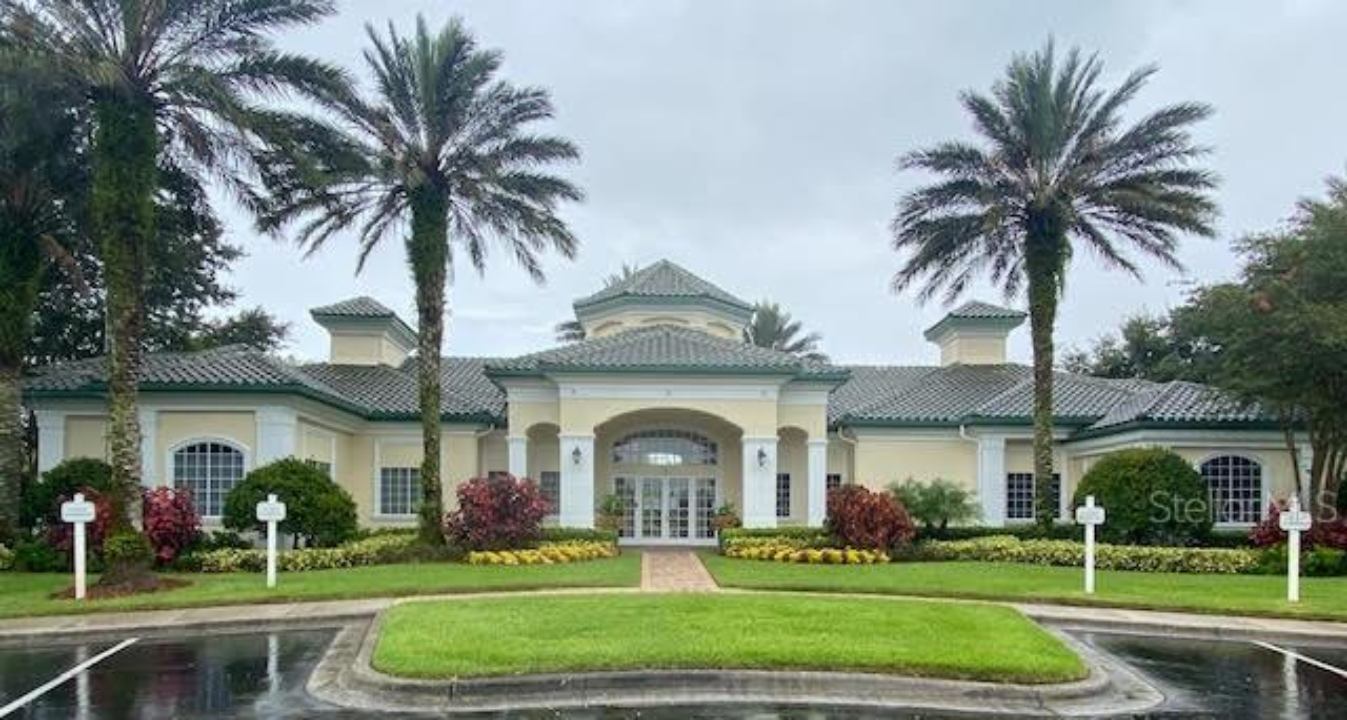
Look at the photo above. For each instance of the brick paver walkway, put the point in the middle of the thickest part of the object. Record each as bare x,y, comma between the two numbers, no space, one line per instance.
674,571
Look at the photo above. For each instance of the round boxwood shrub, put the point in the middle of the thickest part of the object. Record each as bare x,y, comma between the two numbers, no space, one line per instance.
42,499
318,512
1151,497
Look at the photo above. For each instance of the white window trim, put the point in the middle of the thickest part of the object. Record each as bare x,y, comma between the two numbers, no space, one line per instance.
790,495
376,477
331,438
1264,481
171,463
1061,497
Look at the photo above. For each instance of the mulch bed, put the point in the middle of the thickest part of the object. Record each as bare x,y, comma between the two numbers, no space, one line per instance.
136,586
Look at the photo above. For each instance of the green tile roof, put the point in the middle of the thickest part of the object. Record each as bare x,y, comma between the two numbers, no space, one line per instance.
663,349
663,280
1181,402
363,308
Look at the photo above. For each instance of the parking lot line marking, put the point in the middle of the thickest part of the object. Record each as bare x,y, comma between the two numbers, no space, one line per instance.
65,676
1302,658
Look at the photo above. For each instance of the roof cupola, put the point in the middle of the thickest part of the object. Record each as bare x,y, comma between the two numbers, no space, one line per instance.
363,331
663,294
974,333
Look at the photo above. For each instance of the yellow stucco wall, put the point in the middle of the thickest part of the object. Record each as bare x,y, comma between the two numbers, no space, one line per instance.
882,459
792,456
176,428
757,418
972,350
86,436
613,323
493,454
356,348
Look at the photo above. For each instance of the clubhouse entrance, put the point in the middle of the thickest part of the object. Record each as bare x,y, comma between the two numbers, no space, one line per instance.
668,482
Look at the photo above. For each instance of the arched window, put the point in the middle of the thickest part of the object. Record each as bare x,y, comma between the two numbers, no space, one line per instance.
665,447
209,470
1235,485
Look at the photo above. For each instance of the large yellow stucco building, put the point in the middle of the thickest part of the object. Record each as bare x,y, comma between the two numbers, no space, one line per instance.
664,405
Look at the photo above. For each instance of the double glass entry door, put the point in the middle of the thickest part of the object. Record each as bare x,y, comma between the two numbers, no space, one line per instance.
666,508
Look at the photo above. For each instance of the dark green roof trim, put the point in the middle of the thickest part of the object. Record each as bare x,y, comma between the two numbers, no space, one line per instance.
545,369
1248,425
98,391
742,312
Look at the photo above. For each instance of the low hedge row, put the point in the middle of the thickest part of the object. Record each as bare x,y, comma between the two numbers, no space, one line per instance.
373,550
764,549
567,534
806,536
551,553
1140,558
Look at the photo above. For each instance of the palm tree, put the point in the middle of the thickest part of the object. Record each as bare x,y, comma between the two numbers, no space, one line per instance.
39,169
1057,169
771,327
445,156
570,331
166,81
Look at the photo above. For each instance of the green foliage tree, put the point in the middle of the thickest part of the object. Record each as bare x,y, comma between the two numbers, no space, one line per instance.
163,78
936,504
318,512
1058,169
41,499
772,327
1151,497
445,157
39,163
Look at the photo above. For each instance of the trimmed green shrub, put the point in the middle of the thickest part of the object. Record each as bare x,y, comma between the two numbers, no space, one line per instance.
936,504
127,549
1107,557
375,550
42,499
1027,531
6,558
811,536
318,512
37,556
1151,496
1321,561
568,534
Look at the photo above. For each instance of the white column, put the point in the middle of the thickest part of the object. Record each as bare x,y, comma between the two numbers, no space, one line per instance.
759,479
992,479
277,431
519,455
149,431
577,481
818,481
50,439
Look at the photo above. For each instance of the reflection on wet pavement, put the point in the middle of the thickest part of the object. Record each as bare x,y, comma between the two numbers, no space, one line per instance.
263,676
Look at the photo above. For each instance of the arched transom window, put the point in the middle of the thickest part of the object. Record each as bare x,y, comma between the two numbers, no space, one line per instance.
665,447
1235,484
209,470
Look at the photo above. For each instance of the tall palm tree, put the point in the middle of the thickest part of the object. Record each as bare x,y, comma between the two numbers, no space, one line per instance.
165,79
1057,168
570,331
772,327
40,169
445,155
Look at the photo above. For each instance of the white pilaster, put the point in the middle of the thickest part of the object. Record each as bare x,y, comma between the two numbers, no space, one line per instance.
576,506
277,434
992,479
759,478
818,481
149,431
50,439
518,455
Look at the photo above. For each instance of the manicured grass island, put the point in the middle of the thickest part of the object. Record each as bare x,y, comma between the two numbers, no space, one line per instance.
24,594
523,635
1263,595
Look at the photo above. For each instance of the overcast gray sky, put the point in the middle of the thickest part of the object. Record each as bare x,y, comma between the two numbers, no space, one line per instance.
753,141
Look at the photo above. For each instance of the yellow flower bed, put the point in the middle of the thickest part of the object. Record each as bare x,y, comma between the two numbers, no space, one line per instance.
786,552
553,553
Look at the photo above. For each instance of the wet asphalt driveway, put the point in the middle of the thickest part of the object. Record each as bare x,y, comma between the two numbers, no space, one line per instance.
263,676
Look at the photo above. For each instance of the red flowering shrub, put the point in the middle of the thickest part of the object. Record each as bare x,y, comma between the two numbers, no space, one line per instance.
170,521
61,535
859,518
499,513
1268,533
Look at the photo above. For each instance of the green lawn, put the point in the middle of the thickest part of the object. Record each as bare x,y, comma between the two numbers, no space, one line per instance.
462,638
28,593
1324,598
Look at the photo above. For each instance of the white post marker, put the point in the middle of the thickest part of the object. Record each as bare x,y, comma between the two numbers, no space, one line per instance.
1089,515
271,511
1294,521
78,511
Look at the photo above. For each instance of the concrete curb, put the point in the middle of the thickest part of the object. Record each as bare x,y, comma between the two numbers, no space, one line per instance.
346,677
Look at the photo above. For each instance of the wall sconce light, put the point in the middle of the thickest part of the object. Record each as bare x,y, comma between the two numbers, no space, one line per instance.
575,456
762,458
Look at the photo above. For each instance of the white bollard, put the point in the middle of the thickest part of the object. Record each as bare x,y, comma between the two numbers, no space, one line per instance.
271,511
78,512
1089,515
1294,521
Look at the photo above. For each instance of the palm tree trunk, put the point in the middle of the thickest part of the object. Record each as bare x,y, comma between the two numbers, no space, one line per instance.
11,450
20,276
1042,270
124,167
428,251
